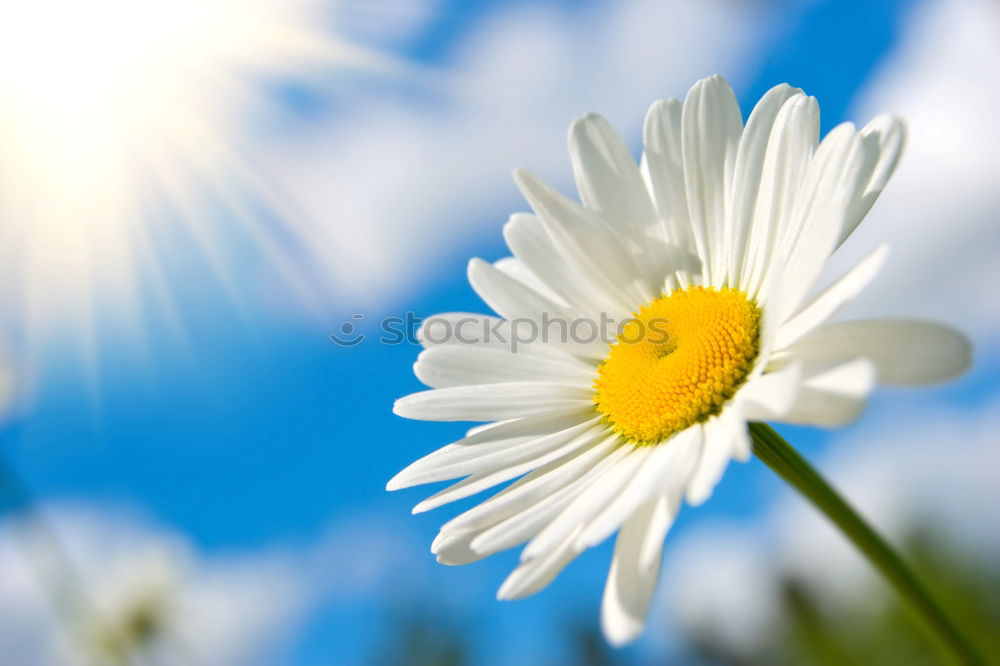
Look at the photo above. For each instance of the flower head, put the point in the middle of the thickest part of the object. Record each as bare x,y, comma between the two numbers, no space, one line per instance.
706,254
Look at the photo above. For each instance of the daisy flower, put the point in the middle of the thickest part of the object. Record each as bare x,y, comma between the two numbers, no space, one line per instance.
707,252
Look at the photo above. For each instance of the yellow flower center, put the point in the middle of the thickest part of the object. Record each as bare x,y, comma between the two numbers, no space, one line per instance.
677,362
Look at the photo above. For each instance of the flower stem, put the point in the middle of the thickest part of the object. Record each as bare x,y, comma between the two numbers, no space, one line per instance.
779,455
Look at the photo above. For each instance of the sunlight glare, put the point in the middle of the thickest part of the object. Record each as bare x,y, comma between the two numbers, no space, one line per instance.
109,108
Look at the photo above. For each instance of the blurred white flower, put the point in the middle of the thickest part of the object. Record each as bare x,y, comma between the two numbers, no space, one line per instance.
133,611
82,587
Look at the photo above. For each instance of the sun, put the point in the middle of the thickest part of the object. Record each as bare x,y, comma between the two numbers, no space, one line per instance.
110,108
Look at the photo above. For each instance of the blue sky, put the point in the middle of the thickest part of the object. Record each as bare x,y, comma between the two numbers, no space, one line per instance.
252,431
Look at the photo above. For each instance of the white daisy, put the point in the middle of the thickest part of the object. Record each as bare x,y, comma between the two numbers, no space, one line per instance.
713,244
91,586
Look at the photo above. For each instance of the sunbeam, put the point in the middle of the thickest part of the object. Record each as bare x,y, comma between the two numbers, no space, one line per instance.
111,110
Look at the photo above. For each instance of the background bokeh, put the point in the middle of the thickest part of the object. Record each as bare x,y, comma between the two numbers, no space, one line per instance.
179,427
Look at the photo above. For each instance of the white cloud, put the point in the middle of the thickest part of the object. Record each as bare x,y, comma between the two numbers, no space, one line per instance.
365,555
387,186
384,23
719,579
941,211
67,583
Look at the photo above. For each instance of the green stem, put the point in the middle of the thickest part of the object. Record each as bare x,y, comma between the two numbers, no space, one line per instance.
779,455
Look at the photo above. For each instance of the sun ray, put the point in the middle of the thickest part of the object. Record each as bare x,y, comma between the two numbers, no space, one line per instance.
114,113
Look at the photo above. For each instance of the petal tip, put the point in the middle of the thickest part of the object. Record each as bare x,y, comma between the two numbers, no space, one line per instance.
520,174
403,479
696,495
475,265
709,83
585,121
621,631
507,591
400,407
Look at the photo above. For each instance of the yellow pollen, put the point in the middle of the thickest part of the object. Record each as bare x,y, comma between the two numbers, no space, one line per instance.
677,362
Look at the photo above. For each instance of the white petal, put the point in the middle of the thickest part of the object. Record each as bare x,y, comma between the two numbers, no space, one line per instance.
520,336
531,426
904,351
888,136
515,268
771,395
663,165
460,365
735,419
710,132
748,170
632,578
529,241
453,549
608,177
828,303
769,327
492,402
586,505
526,524
789,149
834,397
467,328
533,575
535,487
509,446
460,328
500,473
834,180
637,488
664,512
584,239
483,427
510,298
667,467
721,440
